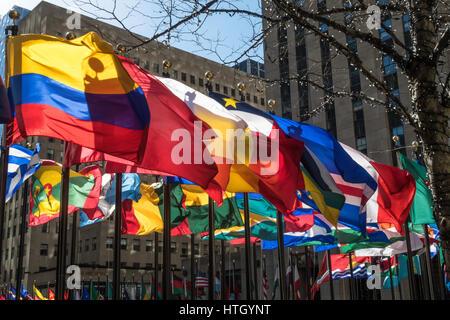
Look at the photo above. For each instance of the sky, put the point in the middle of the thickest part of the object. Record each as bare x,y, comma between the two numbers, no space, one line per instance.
232,31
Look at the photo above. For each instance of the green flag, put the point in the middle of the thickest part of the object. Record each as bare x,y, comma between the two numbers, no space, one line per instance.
93,293
422,207
276,283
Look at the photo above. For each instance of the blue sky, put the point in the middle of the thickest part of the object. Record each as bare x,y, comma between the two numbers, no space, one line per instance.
233,32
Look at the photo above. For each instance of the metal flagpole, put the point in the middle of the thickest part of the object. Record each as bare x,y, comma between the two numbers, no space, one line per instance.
308,273
166,243
156,261
117,238
391,280
412,284
398,277
330,273
211,248
428,263
14,15
222,270
62,235
74,232
24,214
192,266
255,272
351,275
281,260
441,277
291,256
248,281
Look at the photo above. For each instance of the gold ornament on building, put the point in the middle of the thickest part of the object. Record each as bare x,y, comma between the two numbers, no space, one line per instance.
121,48
14,14
167,64
209,75
395,139
271,103
70,35
241,86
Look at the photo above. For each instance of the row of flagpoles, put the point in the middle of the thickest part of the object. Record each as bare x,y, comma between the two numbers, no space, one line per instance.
62,237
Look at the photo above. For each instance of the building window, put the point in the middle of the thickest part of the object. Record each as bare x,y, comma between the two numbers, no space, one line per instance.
123,244
149,245
6,254
148,266
263,102
44,249
136,265
14,231
255,99
9,232
94,244
109,242
183,76
184,249
156,68
247,97
225,90
50,154
80,246
123,264
160,246
192,78
175,74
196,249
146,65
136,245
173,247
233,92
200,82
86,245
217,87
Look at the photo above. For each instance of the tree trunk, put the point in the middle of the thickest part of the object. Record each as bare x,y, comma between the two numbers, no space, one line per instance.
432,117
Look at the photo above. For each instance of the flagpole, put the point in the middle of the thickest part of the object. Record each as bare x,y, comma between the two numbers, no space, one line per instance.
222,270
248,281
391,280
308,273
211,255
166,243
281,260
62,235
192,267
255,272
428,263
291,256
234,283
398,277
330,273
117,237
412,284
4,156
351,275
156,261
24,213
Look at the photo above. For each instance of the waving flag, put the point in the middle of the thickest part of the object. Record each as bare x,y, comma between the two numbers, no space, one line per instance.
195,203
278,185
22,163
84,192
356,184
11,293
24,294
78,91
393,197
422,207
38,294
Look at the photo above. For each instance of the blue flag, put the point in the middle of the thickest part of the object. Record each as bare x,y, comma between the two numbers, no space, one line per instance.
24,294
11,293
85,295
22,163
130,188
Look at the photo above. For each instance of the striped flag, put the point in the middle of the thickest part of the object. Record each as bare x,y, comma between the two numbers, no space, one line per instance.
201,281
22,163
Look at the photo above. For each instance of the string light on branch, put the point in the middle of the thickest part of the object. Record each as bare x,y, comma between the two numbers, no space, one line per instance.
14,14
70,35
121,48
241,86
209,75
167,64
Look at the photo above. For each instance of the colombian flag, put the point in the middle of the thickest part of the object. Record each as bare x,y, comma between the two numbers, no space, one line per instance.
76,91
84,192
